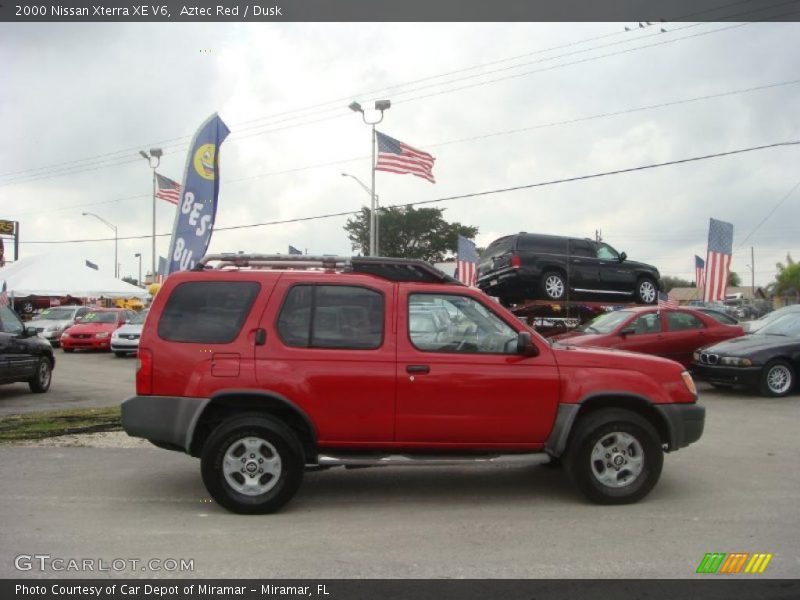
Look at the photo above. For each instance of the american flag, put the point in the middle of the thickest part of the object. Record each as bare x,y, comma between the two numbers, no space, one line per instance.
168,190
718,260
3,296
666,300
396,157
699,271
162,266
466,261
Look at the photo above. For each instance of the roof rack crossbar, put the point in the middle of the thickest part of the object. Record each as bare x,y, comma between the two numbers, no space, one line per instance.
418,270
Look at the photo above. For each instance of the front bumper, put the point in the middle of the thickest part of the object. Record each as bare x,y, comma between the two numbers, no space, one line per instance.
167,420
86,343
748,376
685,423
123,345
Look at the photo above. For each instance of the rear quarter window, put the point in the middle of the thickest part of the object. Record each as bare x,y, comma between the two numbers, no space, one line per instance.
542,244
207,312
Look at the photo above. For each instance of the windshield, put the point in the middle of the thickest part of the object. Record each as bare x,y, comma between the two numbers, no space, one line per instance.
99,317
55,314
137,319
605,323
788,325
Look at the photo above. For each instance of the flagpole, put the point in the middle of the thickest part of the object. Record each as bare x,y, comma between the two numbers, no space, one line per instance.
153,160
372,244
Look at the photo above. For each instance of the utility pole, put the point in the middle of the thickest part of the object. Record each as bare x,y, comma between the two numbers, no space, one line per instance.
752,273
153,159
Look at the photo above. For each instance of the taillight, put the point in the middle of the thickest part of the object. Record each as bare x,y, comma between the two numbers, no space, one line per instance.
144,372
515,261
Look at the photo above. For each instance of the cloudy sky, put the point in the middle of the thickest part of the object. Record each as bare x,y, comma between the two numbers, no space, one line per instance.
492,103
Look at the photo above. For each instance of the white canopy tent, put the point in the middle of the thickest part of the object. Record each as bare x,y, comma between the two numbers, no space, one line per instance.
53,275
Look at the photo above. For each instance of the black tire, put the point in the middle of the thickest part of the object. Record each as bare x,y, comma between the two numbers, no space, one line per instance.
722,386
646,291
554,286
776,372
40,382
68,349
278,438
591,430
27,307
120,354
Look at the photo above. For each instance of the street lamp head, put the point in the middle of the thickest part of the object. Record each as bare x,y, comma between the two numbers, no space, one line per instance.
355,107
382,105
137,255
144,155
156,152
84,214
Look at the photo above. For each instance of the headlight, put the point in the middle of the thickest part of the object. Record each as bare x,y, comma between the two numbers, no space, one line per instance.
102,334
696,356
115,334
689,382
735,361
64,335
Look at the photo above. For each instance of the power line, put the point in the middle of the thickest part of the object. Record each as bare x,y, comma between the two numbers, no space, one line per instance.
113,161
467,139
461,196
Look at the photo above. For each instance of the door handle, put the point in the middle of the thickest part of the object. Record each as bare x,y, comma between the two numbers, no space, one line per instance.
418,369
261,336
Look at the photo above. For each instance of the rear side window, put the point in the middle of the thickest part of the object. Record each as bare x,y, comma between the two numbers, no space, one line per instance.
500,247
207,312
582,248
542,244
332,316
679,321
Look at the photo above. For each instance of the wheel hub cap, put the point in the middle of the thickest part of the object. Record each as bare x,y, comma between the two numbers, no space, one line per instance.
778,379
251,466
617,459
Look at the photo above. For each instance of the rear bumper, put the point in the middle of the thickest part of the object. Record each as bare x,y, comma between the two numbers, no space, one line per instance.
507,280
685,423
748,376
168,420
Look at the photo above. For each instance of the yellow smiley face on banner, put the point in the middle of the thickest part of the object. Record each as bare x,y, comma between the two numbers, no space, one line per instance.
204,161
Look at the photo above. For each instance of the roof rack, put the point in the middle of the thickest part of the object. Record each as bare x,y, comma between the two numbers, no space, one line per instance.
394,269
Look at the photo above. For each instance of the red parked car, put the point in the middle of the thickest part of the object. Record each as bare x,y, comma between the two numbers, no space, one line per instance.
93,330
262,371
673,333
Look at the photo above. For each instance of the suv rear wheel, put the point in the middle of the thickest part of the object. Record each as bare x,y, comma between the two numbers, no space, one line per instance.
615,456
554,286
252,464
40,382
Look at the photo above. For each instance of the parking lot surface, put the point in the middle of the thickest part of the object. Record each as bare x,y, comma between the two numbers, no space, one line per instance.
736,490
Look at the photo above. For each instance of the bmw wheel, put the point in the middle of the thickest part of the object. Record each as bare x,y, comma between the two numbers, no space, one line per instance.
615,456
777,378
252,464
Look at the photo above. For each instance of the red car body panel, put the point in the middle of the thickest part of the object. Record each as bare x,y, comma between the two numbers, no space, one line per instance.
367,399
674,345
83,336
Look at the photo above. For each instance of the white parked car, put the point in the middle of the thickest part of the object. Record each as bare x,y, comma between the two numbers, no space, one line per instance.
51,322
125,340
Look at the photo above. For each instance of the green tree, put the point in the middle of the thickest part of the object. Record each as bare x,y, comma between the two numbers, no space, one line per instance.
673,282
787,280
406,232
734,280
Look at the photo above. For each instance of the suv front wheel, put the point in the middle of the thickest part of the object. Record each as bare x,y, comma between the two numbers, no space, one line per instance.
615,456
252,464
646,291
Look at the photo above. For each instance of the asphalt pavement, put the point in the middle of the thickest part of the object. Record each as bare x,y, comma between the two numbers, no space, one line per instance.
736,490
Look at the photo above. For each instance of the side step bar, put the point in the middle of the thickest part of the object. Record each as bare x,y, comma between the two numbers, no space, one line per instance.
422,460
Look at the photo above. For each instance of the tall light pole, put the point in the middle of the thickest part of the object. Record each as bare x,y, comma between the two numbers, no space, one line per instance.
153,159
116,238
380,106
139,256
376,208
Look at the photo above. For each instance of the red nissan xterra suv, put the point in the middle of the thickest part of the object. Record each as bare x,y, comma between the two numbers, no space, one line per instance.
264,366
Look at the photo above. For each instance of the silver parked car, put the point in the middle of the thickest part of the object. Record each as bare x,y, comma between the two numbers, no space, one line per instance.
753,326
51,322
125,340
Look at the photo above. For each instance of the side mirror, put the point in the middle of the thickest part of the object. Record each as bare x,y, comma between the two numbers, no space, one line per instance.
622,257
29,332
525,345
627,331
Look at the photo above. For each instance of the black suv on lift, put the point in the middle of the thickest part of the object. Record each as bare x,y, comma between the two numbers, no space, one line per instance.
531,265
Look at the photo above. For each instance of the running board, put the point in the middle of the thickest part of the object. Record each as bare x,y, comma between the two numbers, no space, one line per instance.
424,460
